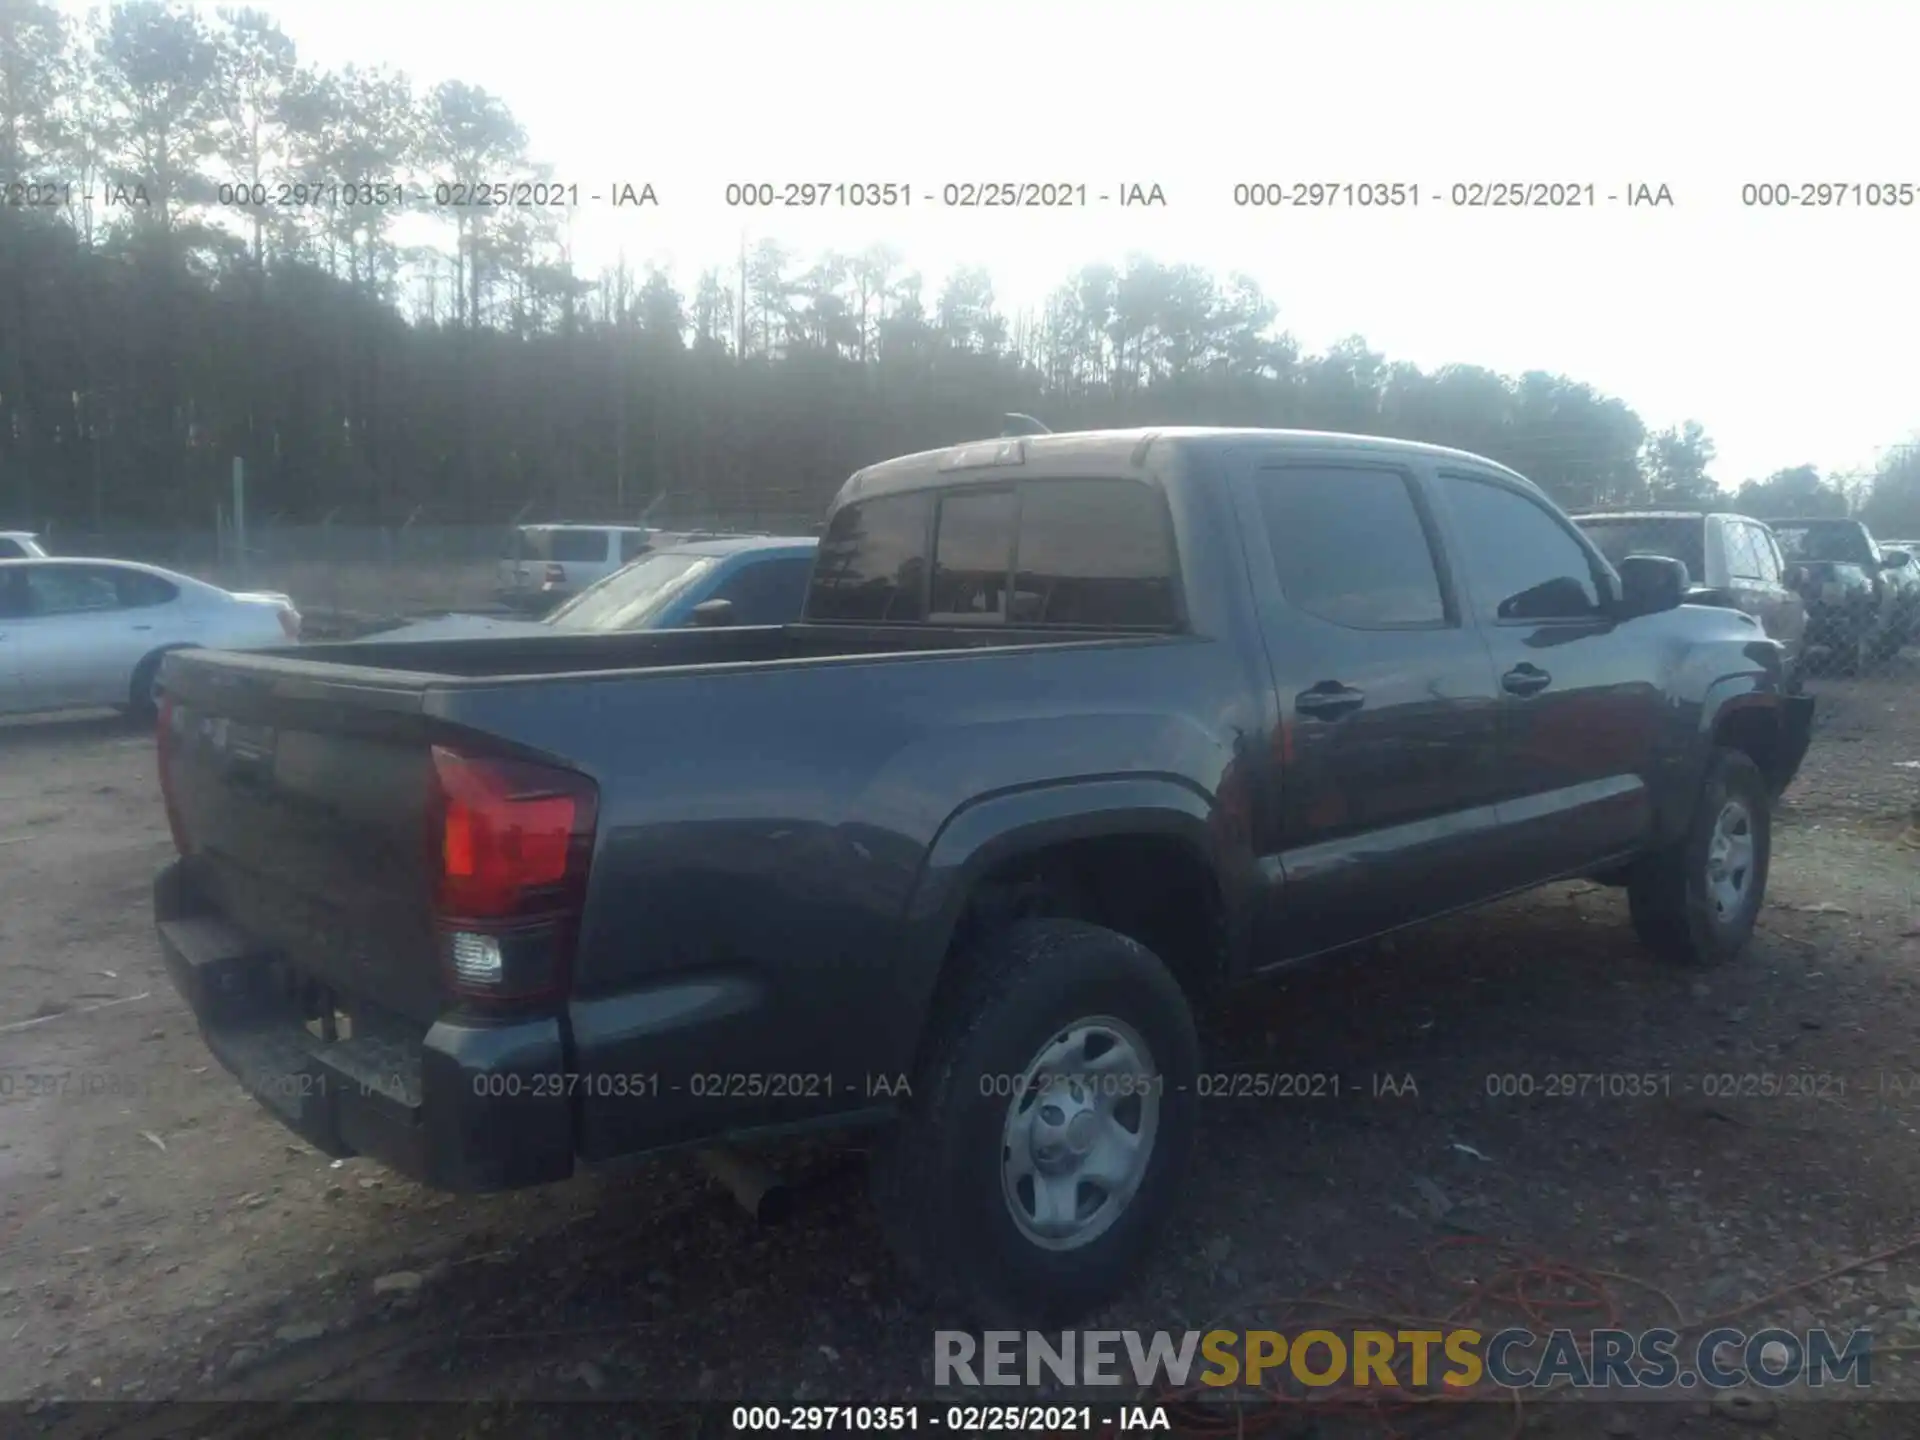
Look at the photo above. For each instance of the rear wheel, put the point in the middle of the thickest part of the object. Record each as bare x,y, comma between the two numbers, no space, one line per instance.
1695,902
1049,1128
143,694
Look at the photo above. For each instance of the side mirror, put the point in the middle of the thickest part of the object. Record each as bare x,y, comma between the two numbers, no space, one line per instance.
1795,576
710,613
1650,584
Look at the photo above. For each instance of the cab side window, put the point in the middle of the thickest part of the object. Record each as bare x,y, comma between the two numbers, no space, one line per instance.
766,592
1349,546
70,590
1743,559
1767,553
1523,563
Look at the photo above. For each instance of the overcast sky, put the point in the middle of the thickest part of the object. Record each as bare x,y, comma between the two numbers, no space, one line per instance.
1791,334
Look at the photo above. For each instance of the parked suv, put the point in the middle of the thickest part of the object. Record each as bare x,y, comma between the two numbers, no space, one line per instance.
1075,731
1731,560
545,564
1853,604
1903,560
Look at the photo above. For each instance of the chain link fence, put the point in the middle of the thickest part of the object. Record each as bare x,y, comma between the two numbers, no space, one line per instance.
1844,603
363,573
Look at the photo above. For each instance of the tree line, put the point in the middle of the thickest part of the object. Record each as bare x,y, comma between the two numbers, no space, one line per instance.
161,312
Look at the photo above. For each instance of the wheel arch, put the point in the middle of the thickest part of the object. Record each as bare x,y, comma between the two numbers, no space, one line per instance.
1135,853
149,667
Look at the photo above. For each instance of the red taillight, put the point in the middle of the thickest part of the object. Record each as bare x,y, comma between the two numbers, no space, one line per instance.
511,845
556,575
163,745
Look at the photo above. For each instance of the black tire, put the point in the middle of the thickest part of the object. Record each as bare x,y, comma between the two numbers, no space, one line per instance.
141,704
937,1178
1670,895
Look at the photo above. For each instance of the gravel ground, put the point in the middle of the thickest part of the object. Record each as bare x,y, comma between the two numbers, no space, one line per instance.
161,1238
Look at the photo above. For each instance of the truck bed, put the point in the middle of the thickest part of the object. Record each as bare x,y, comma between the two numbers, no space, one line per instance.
504,656
744,773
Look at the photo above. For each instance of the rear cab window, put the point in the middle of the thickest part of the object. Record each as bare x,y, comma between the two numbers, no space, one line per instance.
579,547
1668,537
1838,542
1040,552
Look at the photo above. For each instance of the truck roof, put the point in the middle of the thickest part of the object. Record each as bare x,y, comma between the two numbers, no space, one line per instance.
1117,452
1650,514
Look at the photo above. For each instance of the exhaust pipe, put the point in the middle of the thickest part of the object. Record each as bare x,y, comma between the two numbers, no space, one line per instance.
759,1191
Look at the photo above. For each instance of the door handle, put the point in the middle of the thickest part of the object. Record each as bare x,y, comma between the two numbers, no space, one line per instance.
143,627
1525,679
1329,700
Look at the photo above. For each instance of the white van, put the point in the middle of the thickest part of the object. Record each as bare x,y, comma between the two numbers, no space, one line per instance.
545,564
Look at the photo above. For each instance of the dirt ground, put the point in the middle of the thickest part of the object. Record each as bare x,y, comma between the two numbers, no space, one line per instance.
161,1237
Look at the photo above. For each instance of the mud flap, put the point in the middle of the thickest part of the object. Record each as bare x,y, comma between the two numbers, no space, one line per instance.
1796,720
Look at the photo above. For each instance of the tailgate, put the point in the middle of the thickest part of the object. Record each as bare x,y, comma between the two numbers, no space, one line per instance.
302,813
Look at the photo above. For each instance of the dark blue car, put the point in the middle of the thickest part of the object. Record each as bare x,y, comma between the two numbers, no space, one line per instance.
763,579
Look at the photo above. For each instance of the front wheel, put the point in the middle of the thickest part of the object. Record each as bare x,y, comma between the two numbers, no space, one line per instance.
1695,903
1050,1125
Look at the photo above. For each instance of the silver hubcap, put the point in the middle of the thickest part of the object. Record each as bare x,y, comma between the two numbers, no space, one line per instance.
1730,860
1079,1133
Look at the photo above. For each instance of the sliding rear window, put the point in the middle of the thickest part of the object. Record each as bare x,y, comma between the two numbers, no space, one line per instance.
1094,554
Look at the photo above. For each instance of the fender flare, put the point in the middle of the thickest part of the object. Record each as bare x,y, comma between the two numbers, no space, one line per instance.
1740,694
988,831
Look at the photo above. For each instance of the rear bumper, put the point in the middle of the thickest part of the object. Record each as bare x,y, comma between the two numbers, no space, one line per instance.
469,1106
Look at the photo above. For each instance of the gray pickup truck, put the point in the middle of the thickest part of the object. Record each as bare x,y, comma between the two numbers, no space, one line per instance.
1075,730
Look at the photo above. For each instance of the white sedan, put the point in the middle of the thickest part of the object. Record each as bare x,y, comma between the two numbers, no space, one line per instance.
81,633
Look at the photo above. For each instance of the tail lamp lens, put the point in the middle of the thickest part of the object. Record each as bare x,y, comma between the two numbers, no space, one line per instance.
512,844
163,752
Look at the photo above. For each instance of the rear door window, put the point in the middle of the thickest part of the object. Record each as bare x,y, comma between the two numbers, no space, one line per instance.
137,588
1350,546
579,547
1095,553
71,589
